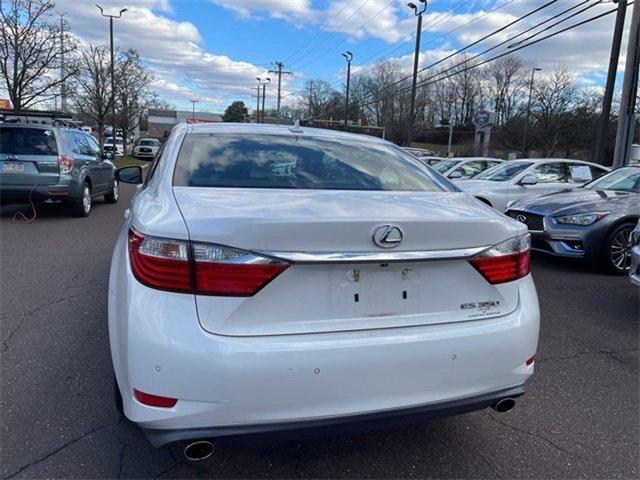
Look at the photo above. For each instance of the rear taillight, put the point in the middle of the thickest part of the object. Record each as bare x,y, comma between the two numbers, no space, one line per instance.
65,164
505,262
160,263
207,270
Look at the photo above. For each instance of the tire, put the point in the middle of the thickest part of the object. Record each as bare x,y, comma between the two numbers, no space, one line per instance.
82,207
114,193
615,256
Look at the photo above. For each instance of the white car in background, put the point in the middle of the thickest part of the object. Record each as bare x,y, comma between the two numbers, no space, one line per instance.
354,285
146,148
119,149
516,179
464,167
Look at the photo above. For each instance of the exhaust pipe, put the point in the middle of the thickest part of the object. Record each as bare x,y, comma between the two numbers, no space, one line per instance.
197,451
504,405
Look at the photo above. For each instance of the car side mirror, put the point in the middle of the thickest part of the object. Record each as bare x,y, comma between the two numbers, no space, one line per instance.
132,174
528,180
456,174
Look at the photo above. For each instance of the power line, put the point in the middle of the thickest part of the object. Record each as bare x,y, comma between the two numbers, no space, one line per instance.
328,34
346,4
433,79
435,38
485,37
347,36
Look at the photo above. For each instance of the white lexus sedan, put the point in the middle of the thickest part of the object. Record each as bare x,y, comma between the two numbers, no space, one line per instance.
274,278
516,179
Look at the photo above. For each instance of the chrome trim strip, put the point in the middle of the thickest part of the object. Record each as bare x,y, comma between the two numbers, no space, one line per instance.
375,257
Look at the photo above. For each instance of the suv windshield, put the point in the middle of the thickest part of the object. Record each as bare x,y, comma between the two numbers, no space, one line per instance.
28,141
624,180
503,172
283,161
148,143
109,141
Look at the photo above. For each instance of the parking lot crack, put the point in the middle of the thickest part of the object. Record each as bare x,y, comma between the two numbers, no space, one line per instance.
610,353
26,315
59,449
489,464
532,434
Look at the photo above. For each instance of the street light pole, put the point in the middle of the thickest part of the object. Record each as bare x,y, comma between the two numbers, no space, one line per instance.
113,77
193,109
416,59
348,57
526,122
258,103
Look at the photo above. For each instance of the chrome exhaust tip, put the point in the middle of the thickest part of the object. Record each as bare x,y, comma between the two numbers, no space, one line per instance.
197,451
504,405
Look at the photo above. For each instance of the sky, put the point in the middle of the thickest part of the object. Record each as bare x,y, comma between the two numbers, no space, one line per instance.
213,50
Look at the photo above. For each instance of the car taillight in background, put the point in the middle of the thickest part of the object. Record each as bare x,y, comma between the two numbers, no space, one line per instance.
506,261
210,269
65,164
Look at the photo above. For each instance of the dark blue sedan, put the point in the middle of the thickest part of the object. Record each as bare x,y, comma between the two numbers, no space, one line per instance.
593,222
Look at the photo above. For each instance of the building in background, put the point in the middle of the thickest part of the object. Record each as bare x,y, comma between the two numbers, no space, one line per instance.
160,121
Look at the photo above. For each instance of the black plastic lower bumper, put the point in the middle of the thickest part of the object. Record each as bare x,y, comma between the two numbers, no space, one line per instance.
414,414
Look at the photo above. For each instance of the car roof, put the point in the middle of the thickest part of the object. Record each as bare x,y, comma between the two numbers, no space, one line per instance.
268,129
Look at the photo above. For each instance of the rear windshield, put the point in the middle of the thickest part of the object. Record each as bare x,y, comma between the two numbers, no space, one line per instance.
283,161
503,172
28,141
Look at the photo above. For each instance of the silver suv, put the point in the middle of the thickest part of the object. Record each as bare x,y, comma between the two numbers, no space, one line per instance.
43,162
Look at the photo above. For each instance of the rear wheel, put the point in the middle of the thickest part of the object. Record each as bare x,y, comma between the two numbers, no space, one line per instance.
616,250
112,196
82,207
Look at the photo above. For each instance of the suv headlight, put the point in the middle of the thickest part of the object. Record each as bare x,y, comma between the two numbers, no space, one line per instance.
581,219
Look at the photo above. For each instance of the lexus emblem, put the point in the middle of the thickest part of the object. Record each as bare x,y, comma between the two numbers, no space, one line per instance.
387,236
521,218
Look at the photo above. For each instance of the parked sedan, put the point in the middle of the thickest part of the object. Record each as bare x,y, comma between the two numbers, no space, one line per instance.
517,179
593,222
419,152
465,167
351,286
146,148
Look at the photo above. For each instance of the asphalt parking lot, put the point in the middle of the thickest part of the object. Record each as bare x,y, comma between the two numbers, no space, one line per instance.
580,417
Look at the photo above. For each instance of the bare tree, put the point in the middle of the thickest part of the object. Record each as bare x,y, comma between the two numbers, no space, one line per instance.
506,83
31,47
92,87
554,97
133,96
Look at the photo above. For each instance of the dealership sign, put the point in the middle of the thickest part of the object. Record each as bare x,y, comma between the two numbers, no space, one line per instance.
483,119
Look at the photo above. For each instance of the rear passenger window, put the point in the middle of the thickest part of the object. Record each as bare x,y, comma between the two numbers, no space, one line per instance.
81,146
470,169
28,141
94,148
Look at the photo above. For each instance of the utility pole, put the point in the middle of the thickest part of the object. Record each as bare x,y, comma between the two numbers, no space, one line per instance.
193,109
310,97
348,57
264,94
603,121
416,59
534,69
624,135
258,104
63,91
113,77
279,73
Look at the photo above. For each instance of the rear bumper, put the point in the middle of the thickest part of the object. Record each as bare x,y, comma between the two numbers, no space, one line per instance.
228,384
41,193
415,414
